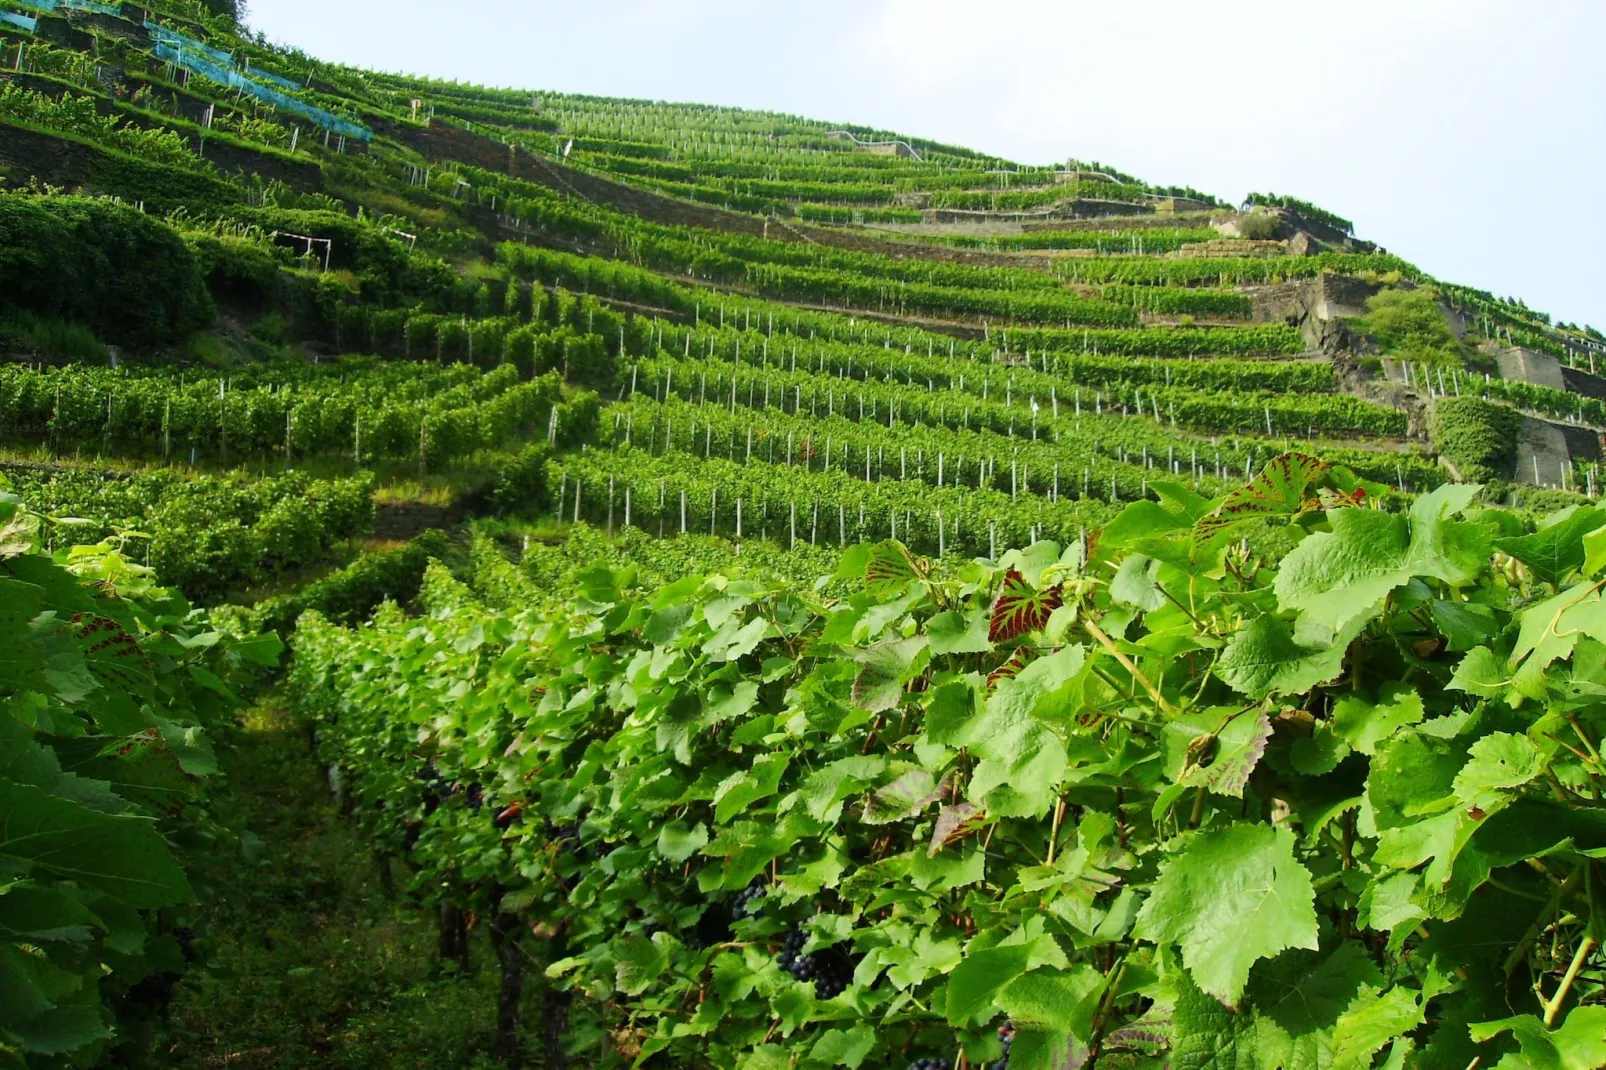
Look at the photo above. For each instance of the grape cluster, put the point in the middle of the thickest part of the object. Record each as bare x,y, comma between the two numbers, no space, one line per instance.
186,940
931,1064
754,891
1006,1037
829,972
433,790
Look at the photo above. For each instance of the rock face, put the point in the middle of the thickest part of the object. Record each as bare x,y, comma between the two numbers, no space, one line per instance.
1545,452
1302,244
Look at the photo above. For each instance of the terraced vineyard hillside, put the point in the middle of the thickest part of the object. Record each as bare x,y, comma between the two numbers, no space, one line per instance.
533,419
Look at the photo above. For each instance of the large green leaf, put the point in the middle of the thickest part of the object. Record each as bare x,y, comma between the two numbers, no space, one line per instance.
1263,658
1228,898
1578,1044
1331,577
982,975
121,855
1558,547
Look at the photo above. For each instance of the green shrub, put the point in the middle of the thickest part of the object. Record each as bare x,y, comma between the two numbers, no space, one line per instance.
521,486
1477,436
1410,325
349,594
1260,226
129,278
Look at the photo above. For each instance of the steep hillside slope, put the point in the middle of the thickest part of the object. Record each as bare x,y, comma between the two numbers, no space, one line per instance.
782,594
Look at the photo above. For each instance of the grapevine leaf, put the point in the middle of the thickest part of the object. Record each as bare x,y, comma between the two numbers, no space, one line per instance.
1299,998
905,797
1333,576
637,961
1580,1043
1134,584
1262,658
1557,547
123,856
838,1047
958,633
1230,897
1047,1049
73,1023
741,790
1284,490
1550,630
18,529
1372,1023
1020,609
1216,748
1208,1036
954,823
1480,673
20,603
677,842
885,669
1052,1011
1499,762
888,568
826,787
1363,725
1010,668
978,980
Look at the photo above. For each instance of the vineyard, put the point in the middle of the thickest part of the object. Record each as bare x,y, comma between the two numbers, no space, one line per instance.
500,577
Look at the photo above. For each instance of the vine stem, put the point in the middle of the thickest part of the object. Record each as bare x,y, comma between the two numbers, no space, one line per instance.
1054,835
1553,1008
1198,808
1126,663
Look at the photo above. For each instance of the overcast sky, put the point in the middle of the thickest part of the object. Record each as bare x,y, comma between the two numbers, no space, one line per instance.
1464,135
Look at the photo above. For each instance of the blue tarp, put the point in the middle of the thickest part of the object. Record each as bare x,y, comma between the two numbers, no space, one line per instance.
26,22
235,80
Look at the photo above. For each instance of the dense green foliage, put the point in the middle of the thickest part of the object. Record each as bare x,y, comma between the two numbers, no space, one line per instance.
1410,326
108,688
126,276
1477,436
1056,787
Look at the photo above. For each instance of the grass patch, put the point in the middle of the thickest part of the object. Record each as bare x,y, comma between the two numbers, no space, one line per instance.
311,966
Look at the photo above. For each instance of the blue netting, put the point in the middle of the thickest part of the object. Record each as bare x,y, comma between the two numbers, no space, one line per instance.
177,40
41,5
90,5
24,21
235,80
269,76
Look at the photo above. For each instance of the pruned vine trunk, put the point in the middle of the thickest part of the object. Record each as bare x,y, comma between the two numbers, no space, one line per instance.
507,938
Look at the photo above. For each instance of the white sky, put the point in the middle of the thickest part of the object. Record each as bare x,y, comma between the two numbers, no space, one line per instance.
1464,135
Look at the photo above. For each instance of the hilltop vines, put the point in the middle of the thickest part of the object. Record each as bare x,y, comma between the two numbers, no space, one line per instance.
1280,779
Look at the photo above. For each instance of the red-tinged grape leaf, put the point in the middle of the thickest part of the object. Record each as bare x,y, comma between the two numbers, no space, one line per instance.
1010,668
112,654
955,823
1284,489
1216,748
890,568
1020,609
886,668
903,798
